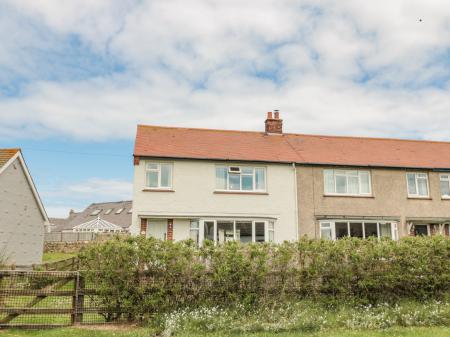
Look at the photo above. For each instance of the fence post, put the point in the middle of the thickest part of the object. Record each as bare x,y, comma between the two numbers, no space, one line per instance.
78,300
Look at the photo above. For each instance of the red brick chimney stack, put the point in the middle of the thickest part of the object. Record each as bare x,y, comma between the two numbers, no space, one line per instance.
273,123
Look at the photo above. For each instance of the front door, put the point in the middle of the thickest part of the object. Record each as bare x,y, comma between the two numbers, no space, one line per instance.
157,228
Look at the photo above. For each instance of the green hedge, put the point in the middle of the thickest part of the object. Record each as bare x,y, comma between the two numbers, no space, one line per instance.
140,275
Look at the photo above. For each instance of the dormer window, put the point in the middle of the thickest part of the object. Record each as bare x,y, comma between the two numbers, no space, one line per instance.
241,178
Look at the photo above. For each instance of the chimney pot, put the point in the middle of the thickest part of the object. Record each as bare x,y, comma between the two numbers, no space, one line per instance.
277,114
269,115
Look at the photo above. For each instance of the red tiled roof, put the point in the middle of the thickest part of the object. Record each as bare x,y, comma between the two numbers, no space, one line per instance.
171,142
7,154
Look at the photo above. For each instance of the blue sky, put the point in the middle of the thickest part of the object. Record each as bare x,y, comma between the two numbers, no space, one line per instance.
76,76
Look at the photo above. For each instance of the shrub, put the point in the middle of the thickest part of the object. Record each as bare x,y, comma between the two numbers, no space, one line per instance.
141,276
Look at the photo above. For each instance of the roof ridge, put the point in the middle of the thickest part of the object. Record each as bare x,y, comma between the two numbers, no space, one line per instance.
297,134
369,138
108,202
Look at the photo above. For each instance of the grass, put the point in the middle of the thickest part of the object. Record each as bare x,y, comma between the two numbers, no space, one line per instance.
52,257
142,332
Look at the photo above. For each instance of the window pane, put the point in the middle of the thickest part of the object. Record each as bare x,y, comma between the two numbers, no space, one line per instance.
341,184
421,230
260,180
371,229
244,231
353,185
385,230
247,170
422,186
194,232
225,231
152,179
325,233
356,229
411,183
329,181
152,166
259,232
166,175
247,182
221,177
341,230
445,188
365,182
234,181
209,230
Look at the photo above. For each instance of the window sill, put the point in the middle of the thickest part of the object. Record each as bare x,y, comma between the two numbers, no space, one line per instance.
419,198
348,196
157,190
445,198
240,192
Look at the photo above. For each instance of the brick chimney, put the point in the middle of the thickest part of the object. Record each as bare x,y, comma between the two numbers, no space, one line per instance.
273,122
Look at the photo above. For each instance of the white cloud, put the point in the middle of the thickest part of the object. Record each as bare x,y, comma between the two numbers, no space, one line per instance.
223,64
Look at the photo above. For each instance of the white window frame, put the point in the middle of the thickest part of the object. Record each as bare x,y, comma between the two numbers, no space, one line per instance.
444,177
417,195
332,225
347,174
253,221
158,170
253,174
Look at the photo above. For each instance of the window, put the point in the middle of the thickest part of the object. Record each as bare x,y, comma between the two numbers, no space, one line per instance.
194,231
336,229
445,185
417,185
240,178
96,212
120,210
108,211
159,175
244,231
347,182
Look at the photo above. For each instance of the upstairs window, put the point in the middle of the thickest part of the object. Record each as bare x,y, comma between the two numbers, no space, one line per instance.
445,185
241,178
417,184
159,175
347,182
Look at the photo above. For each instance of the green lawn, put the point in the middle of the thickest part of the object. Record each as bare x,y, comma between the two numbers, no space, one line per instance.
52,257
140,332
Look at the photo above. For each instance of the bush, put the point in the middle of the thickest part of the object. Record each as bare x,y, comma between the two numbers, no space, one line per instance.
142,276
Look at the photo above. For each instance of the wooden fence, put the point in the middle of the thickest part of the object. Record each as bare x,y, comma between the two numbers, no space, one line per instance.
39,299
79,236
69,264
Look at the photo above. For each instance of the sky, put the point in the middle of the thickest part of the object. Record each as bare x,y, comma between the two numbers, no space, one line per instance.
77,76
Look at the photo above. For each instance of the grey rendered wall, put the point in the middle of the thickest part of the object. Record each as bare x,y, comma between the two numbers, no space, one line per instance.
21,222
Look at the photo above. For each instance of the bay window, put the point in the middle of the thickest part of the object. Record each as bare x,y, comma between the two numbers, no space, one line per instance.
347,182
336,229
158,175
417,184
244,231
240,178
445,185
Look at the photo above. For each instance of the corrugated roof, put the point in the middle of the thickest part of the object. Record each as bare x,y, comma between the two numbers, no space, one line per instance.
7,154
173,142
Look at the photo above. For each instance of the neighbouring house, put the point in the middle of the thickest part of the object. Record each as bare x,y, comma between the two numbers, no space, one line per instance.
273,186
105,217
23,219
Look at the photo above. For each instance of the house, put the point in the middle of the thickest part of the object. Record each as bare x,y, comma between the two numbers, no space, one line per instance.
112,216
273,186
23,219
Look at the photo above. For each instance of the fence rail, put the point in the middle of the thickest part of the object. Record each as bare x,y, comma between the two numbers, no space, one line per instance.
39,299
61,265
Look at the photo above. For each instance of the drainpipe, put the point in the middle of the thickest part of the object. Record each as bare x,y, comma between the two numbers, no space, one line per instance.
296,201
